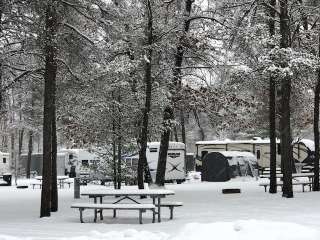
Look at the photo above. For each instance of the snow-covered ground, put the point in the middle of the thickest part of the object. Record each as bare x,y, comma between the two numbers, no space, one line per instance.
206,214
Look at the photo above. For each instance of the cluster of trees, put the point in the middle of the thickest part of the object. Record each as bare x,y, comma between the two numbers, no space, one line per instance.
117,72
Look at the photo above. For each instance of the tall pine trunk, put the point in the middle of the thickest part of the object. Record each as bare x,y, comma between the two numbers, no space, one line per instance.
165,136
272,111
285,122
142,162
54,187
30,149
50,51
316,129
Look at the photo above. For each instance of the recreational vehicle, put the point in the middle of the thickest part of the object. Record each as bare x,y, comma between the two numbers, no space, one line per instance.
37,161
79,161
4,163
175,168
303,150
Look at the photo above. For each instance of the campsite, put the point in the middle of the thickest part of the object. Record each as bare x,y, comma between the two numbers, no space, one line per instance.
159,119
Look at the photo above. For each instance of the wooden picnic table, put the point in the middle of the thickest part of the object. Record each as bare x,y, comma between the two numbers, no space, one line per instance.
310,176
155,194
60,179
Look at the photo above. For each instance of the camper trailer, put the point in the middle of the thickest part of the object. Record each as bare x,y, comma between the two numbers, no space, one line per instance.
37,159
4,163
222,166
79,161
303,150
175,168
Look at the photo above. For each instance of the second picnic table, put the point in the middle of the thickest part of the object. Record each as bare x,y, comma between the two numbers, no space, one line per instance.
155,194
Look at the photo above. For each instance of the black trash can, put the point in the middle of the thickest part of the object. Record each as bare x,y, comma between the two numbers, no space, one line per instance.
7,178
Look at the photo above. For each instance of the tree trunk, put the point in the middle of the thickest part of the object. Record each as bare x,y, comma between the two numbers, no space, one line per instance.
30,149
183,127
119,176
272,111
20,145
196,117
54,187
168,112
285,123
50,51
114,163
316,130
164,145
142,162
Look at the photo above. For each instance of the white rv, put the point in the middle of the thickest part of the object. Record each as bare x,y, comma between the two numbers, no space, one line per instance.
4,163
175,168
303,149
80,160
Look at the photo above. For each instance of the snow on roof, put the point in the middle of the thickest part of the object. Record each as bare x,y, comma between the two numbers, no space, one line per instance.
172,145
228,141
237,154
309,143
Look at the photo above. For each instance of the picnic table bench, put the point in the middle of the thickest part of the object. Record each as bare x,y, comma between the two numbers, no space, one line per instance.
96,207
36,184
280,184
171,205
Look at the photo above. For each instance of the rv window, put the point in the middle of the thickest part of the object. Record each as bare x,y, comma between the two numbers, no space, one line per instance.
258,154
174,155
279,148
85,163
4,160
153,149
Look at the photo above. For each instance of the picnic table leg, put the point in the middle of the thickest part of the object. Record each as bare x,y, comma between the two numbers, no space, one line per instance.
302,187
95,210
159,209
81,218
114,213
171,212
265,188
101,215
140,216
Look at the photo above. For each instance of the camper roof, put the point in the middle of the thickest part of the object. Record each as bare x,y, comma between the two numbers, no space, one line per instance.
172,145
237,154
228,141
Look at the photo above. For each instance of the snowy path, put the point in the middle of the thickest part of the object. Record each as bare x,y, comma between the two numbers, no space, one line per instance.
203,203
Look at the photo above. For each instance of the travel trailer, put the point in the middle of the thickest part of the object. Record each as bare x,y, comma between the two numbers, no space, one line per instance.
4,163
37,159
79,161
175,168
303,150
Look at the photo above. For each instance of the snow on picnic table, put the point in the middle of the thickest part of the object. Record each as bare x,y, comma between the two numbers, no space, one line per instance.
206,214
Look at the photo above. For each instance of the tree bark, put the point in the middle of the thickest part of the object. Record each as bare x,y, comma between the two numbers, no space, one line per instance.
285,122
165,136
164,145
316,129
30,149
272,110
54,187
119,176
142,162
50,51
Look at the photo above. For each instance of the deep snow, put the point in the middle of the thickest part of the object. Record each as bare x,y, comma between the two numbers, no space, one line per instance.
206,214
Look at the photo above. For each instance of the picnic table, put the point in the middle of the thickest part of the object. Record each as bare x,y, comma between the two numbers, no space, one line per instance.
294,175
60,180
154,194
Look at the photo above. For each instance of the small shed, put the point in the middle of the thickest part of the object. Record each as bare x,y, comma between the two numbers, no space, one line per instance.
222,166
